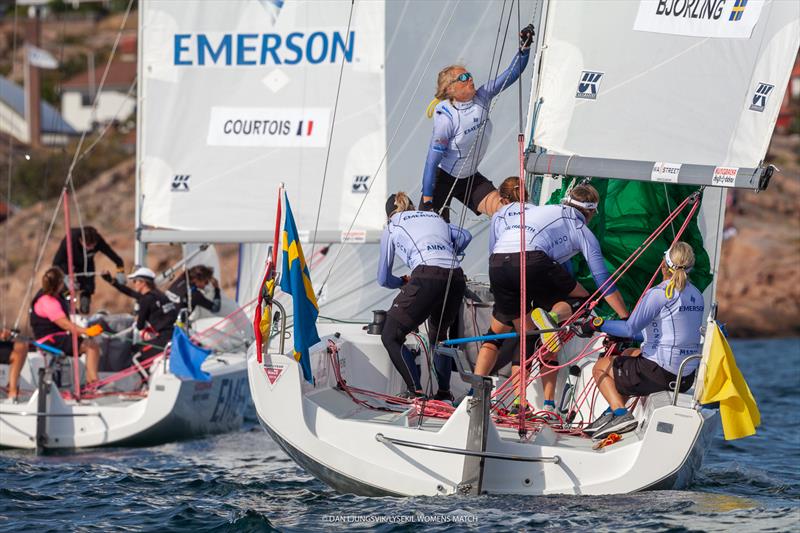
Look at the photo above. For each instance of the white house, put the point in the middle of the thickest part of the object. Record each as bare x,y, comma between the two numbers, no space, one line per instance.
55,130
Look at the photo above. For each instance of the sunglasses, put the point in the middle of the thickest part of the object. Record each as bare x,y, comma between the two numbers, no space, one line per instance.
464,76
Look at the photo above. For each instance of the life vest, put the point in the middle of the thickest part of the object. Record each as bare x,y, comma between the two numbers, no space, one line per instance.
44,327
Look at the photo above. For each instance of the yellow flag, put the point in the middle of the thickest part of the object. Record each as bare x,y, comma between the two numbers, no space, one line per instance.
266,319
725,384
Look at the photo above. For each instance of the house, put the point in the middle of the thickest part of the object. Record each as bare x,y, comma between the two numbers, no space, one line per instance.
117,100
55,130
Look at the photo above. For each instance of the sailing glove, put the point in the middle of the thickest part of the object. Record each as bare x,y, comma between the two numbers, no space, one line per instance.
526,37
426,206
587,327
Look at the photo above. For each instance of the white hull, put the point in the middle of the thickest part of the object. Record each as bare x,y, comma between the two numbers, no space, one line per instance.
172,409
336,440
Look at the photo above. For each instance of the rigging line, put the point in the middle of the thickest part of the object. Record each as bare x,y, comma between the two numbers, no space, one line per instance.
48,166
388,146
471,178
108,122
666,196
6,228
333,125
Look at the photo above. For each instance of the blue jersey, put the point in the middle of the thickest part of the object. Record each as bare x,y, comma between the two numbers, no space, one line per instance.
421,238
669,327
456,128
557,230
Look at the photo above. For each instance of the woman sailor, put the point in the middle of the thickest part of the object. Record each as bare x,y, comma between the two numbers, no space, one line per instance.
554,234
430,247
461,133
668,321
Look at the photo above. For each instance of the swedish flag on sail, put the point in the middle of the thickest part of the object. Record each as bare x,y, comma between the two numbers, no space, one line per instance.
296,281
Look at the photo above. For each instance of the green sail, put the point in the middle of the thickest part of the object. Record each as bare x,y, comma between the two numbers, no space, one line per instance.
628,213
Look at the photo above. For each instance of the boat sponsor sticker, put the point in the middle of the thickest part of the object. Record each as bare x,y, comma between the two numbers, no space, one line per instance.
274,372
665,172
724,176
589,85
360,184
270,127
725,19
759,100
354,237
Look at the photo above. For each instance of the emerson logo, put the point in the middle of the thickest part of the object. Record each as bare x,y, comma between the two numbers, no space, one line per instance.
180,183
589,85
759,101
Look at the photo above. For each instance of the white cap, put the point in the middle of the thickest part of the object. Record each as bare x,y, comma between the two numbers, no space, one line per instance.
143,273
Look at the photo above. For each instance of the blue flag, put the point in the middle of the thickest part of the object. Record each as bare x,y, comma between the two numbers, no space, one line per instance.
296,281
186,358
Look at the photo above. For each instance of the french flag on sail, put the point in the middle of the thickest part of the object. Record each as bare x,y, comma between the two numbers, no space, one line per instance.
309,127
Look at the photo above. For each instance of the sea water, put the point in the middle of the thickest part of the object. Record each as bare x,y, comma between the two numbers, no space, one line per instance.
243,482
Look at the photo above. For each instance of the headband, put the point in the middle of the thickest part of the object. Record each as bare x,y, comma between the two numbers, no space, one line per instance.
577,203
672,266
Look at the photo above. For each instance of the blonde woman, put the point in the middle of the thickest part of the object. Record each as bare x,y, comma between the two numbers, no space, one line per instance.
668,321
457,145
431,248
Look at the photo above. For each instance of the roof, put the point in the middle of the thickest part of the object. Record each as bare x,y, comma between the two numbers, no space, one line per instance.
120,75
52,122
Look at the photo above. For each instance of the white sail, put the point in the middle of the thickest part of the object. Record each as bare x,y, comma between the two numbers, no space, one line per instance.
648,81
236,100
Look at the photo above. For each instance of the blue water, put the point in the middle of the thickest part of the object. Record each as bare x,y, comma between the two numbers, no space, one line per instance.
244,482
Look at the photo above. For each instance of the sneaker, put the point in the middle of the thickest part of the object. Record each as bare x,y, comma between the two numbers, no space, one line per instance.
549,413
444,396
618,424
412,395
598,423
544,320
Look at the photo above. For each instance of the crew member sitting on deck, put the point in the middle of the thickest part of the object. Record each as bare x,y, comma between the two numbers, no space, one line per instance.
191,295
553,234
49,316
668,321
156,314
461,133
13,353
434,291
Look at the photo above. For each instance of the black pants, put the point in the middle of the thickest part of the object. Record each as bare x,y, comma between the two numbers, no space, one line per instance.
469,191
423,298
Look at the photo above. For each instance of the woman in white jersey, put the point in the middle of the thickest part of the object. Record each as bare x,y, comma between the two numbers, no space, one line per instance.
667,321
430,247
461,133
553,235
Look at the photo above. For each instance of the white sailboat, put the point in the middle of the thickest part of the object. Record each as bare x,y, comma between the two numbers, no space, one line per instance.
147,403
623,90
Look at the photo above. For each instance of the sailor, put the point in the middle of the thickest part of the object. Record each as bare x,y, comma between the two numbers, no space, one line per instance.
13,353
156,314
461,133
667,321
430,247
85,244
49,317
186,295
554,234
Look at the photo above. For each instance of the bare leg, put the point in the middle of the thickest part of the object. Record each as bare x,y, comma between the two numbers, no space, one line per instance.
92,351
487,356
17,359
604,377
490,203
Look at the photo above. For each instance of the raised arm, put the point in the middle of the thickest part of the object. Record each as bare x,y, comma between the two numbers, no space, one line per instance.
440,140
507,78
385,263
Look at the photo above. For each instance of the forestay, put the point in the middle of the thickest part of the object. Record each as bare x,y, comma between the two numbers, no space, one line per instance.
670,83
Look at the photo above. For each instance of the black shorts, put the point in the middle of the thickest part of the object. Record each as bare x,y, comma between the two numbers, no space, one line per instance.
470,191
63,343
639,376
423,298
6,347
547,283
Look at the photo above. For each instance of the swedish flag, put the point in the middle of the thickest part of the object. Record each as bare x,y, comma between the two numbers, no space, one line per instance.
296,281
738,10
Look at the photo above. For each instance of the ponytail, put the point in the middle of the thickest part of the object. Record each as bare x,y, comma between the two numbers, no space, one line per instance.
509,189
679,260
397,203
